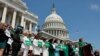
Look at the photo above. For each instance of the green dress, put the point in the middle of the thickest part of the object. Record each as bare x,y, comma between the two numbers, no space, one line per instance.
80,49
65,49
51,50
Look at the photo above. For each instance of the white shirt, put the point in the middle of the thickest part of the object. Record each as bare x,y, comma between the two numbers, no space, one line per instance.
45,50
54,45
37,50
31,47
25,38
23,44
7,32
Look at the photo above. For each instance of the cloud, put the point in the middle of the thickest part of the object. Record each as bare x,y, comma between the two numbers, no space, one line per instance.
95,7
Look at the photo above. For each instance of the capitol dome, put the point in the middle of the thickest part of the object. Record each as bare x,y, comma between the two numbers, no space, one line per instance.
54,24
54,17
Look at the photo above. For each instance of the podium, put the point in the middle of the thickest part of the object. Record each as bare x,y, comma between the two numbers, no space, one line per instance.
87,50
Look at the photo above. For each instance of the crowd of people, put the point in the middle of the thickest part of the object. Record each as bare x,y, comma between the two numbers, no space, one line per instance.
25,43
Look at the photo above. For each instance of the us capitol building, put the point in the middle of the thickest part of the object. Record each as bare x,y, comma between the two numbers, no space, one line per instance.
15,12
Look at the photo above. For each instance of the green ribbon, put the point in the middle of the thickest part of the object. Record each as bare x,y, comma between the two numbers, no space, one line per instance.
28,42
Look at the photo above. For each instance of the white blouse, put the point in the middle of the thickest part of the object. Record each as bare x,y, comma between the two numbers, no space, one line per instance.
37,50
45,50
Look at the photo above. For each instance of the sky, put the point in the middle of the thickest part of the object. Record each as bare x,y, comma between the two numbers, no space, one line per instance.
81,17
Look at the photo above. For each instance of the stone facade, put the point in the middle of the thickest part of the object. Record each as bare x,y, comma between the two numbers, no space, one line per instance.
15,12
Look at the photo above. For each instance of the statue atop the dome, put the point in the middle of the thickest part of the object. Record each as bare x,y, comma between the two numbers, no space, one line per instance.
53,9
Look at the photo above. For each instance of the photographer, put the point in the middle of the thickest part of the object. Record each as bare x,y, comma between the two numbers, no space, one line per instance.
16,45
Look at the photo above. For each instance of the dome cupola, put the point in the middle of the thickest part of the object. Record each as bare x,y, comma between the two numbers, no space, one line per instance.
53,16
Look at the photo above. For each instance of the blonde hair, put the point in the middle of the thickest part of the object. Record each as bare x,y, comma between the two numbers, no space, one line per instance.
2,25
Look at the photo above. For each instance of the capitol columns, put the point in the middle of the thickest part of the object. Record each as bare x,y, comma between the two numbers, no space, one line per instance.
14,18
22,20
4,14
56,33
24,24
30,26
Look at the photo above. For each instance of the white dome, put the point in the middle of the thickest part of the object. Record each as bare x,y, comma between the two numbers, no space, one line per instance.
54,25
53,17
